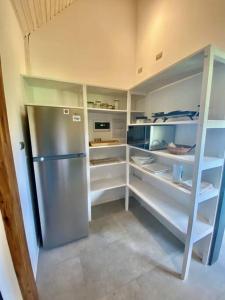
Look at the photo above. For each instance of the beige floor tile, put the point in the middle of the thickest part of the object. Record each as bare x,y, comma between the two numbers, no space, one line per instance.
127,256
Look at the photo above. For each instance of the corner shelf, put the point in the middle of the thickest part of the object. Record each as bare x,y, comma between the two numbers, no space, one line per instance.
168,211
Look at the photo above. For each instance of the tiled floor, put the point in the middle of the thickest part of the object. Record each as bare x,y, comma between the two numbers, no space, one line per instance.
128,255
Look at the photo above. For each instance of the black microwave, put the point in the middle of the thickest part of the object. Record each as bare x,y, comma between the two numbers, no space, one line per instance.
151,137
138,136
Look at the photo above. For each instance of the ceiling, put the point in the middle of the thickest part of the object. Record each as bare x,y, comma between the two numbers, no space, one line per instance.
32,14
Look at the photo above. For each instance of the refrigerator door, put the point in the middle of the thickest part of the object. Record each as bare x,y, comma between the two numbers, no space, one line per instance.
56,130
62,200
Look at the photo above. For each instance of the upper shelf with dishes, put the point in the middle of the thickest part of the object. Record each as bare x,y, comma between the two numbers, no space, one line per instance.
175,104
173,96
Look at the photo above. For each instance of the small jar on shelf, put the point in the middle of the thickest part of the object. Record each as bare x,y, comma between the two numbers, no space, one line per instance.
116,104
98,103
91,104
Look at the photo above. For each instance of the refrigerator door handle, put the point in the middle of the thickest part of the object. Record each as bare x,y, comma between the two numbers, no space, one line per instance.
58,157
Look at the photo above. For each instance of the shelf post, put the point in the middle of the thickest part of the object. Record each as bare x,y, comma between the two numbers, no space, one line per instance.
219,56
87,149
199,155
127,152
127,179
206,251
127,198
128,108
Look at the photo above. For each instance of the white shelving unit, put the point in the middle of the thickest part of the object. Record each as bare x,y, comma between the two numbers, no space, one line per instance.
197,79
189,215
108,180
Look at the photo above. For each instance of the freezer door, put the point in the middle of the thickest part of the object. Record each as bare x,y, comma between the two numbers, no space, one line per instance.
62,200
55,130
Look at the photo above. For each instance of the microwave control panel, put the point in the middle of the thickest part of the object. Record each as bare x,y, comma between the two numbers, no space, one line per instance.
102,126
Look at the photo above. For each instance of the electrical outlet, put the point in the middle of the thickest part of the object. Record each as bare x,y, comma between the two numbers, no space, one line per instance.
159,55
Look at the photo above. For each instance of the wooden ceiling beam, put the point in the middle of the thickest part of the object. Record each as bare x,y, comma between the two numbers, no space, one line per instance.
32,14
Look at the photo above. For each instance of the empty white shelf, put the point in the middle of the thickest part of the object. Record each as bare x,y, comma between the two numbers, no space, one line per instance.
108,183
107,146
121,162
171,213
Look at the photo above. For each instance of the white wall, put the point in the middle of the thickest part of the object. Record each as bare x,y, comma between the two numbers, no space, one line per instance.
13,63
177,28
91,42
104,42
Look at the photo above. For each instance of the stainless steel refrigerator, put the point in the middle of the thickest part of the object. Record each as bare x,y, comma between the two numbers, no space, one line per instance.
58,150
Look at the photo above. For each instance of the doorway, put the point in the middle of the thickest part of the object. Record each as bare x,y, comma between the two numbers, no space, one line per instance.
10,208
